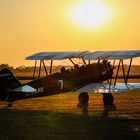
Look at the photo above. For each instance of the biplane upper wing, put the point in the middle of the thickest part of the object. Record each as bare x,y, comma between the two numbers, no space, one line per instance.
103,55
106,88
56,55
111,55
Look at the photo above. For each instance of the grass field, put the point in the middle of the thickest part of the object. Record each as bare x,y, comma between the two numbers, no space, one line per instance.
61,117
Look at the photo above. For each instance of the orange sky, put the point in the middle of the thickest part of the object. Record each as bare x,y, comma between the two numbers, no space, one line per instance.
30,26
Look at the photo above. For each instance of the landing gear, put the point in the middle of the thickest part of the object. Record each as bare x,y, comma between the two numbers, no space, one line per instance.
108,99
83,97
9,104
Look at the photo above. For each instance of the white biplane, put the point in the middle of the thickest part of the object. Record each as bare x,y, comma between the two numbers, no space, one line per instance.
97,76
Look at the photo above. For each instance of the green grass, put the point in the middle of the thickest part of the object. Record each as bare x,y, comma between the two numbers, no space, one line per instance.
60,117
43,125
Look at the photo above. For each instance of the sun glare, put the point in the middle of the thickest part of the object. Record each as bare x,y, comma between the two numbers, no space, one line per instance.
90,14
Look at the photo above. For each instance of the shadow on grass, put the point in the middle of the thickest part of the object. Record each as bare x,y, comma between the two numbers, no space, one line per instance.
35,125
107,109
84,108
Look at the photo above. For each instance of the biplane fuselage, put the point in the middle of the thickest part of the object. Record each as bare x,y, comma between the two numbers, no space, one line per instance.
63,81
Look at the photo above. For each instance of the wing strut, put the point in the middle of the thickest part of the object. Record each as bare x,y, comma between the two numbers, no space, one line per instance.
51,67
125,76
88,61
71,61
111,77
117,73
126,79
45,67
39,68
84,61
34,69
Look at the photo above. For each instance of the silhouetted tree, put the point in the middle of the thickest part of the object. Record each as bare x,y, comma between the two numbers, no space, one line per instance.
2,66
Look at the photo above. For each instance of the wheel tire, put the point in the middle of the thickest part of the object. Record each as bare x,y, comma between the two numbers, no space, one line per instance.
83,97
9,104
108,99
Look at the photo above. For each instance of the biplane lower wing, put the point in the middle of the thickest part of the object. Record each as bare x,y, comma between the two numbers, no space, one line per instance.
107,88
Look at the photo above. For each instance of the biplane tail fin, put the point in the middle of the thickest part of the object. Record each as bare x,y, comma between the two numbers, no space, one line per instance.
7,82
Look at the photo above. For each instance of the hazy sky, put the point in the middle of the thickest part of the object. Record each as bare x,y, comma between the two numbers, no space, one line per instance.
30,26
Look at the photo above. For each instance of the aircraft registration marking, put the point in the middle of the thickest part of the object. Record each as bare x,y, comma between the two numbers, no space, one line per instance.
38,90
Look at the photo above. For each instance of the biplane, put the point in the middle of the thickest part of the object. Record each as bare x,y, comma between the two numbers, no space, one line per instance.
95,73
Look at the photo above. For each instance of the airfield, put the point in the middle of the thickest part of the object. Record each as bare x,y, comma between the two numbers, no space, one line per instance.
61,117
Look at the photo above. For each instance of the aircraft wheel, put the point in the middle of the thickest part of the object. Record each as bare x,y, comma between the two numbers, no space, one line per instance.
83,97
9,104
108,99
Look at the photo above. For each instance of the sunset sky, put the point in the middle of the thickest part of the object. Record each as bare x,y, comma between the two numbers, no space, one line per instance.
30,26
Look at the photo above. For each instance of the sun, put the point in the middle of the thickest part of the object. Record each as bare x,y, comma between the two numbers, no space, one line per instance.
90,14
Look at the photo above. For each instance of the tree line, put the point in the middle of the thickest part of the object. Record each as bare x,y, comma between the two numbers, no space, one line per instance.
23,68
